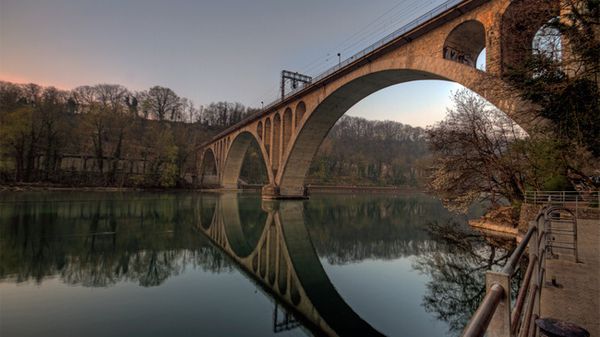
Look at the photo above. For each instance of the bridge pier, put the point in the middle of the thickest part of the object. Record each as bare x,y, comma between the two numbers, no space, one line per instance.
274,192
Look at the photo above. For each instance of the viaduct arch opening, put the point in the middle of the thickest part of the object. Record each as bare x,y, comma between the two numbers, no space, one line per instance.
245,156
208,169
465,43
314,130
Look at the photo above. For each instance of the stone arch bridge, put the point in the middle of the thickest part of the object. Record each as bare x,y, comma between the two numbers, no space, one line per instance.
443,45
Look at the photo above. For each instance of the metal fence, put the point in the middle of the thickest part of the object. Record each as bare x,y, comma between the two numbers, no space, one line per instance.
495,316
571,199
562,197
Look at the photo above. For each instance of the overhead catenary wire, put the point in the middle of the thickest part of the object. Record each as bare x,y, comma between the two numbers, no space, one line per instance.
381,26
389,20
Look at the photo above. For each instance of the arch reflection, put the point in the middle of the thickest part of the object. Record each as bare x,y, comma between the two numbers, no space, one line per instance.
284,263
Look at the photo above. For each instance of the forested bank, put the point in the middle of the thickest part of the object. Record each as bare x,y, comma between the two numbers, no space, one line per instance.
362,152
107,135
104,135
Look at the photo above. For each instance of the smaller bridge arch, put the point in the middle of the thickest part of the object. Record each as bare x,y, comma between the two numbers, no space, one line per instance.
267,138
276,138
287,128
299,113
208,175
465,42
259,130
235,158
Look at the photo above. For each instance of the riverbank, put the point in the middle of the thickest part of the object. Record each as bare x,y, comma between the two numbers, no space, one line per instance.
312,188
35,187
358,188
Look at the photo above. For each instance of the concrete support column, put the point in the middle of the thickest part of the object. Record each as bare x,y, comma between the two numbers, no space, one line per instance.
493,45
272,191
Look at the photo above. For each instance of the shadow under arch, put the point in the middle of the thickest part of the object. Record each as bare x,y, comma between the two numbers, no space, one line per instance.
382,74
235,158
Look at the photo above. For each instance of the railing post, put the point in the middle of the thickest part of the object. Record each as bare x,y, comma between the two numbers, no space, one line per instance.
534,250
500,324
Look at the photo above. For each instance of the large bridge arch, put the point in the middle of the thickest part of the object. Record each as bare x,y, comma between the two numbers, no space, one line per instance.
378,75
236,155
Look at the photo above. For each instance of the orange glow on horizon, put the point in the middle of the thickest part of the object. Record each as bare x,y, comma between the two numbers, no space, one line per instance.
24,80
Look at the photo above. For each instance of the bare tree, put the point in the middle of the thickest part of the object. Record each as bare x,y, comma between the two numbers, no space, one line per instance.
162,103
473,156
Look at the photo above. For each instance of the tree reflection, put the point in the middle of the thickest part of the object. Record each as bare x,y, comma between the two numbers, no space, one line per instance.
350,228
100,242
457,270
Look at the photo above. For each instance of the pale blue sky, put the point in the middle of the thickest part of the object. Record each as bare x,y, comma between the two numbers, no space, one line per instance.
230,50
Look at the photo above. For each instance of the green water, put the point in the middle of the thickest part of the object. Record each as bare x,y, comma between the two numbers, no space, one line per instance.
190,264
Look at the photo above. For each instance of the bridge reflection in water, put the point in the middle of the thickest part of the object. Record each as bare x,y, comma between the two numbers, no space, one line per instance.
275,250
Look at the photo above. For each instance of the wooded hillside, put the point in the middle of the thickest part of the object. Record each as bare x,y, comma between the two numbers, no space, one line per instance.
107,135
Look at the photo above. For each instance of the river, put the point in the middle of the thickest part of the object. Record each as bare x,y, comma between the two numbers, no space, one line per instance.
191,264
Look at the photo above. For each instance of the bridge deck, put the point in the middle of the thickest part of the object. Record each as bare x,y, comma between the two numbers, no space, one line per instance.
577,299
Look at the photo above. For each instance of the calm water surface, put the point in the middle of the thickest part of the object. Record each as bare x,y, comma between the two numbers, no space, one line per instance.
189,264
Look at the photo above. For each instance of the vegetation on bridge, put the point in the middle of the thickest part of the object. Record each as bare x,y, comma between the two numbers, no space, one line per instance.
479,153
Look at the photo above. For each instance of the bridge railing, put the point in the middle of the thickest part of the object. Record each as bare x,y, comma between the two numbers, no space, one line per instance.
380,43
495,316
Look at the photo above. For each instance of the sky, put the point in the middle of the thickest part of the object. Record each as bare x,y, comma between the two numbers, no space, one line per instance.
221,50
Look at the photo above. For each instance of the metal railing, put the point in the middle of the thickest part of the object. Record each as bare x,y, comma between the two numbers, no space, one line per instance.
438,10
581,199
495,316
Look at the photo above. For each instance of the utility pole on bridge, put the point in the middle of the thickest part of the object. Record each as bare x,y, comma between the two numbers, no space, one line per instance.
294,78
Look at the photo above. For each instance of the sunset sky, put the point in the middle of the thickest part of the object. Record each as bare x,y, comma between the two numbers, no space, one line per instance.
231,50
